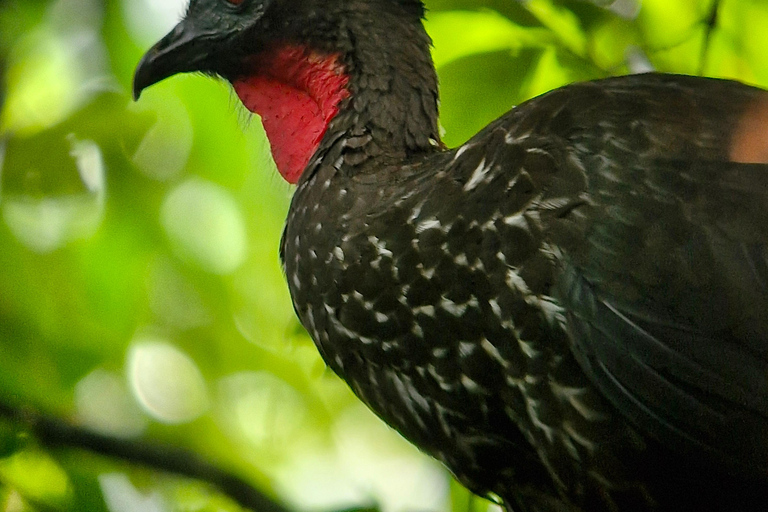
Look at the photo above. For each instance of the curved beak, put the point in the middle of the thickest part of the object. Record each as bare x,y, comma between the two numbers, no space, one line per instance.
182,50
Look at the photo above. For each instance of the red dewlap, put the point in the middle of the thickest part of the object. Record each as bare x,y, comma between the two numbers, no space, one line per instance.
296,92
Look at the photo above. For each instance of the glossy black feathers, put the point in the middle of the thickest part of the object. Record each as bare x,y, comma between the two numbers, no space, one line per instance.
563,304
570,311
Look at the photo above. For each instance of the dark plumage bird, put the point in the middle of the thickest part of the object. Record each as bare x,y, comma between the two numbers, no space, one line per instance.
570,311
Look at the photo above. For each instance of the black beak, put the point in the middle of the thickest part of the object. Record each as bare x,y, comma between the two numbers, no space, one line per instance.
183,49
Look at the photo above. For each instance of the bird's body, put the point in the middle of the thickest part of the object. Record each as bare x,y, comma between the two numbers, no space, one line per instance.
571,309
448,300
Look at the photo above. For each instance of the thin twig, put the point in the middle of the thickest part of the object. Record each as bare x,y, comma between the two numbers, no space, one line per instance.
711,24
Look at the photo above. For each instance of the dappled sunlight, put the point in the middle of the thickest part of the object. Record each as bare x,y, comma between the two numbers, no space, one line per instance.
369,464
391,470
164,150
165,381
173,298
104,403
148,20
258,297
45,88
27,469
205,225
627,9
54,69
263,410
318,480
45,222
120,495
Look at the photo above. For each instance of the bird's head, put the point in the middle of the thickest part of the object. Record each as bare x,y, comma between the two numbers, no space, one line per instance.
289,61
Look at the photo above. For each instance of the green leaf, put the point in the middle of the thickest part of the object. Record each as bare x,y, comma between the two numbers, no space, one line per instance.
457,34
562,22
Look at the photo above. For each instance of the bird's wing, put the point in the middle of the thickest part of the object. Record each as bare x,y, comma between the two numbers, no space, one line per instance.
664,273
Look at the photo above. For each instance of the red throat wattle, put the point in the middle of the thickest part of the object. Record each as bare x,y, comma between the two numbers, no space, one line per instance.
296,92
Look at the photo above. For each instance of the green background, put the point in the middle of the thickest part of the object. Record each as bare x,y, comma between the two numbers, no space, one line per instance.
141,294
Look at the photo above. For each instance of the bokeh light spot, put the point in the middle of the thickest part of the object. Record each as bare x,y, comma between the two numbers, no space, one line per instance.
42,85
264,408
165,381
104,404
173,298
120,495
394,471
45,223
205,225
27,468
164,150
148,20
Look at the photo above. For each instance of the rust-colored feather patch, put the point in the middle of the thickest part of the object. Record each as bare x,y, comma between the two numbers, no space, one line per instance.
749,143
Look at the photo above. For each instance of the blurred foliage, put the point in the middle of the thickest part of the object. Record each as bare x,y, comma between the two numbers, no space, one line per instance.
141,294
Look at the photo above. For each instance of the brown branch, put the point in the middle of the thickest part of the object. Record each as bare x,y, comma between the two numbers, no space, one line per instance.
55,433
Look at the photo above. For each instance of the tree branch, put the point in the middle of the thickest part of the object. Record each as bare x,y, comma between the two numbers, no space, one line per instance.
55,433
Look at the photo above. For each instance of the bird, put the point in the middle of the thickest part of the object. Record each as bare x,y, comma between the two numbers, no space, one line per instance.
569,310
